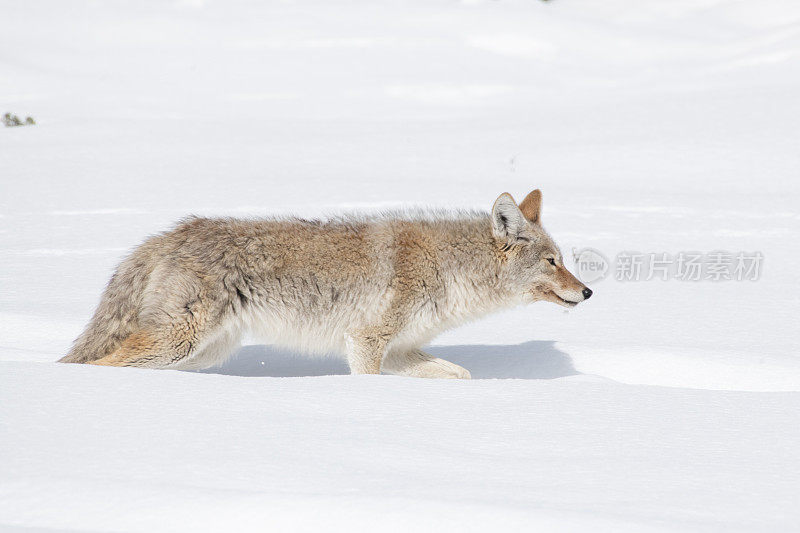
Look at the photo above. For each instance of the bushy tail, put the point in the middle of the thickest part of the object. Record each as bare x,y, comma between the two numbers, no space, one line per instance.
117,314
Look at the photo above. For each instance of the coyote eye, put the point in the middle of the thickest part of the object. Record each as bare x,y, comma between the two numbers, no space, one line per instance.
551,261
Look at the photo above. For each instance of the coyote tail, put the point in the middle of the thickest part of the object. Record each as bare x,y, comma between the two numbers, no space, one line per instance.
117,314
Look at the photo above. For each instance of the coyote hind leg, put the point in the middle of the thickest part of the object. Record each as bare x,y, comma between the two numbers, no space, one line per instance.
160,346
141,348
419,364
147,348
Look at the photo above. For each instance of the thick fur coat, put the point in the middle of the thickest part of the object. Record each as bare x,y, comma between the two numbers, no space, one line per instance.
375,289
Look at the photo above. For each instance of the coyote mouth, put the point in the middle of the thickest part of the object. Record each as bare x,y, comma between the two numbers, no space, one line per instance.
566,303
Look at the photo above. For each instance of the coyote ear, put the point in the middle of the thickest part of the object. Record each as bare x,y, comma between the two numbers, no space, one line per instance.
531,206
507,219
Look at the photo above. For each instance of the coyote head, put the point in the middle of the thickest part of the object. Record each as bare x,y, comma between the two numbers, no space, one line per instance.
532,265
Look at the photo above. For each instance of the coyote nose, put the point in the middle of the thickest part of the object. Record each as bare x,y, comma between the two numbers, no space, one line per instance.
587,293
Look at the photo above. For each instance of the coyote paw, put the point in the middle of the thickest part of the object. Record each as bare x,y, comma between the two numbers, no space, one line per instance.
462,373
418,364
439,368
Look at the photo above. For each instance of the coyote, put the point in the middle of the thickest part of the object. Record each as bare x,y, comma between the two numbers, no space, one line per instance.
375,289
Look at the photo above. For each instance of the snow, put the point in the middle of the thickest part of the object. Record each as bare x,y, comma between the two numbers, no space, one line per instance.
152,450
649,126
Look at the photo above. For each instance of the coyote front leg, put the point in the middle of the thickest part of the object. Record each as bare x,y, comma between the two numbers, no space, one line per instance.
365,351
418,364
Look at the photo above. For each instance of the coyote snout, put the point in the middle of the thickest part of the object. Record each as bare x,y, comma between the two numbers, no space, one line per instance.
571,296
375,289
568,291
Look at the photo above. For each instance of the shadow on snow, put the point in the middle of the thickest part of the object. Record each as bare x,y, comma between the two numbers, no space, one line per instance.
529,360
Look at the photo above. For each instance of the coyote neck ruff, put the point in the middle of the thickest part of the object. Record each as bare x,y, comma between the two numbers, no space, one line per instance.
375,289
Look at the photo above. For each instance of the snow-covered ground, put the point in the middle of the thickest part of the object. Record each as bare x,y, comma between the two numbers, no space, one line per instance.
650,127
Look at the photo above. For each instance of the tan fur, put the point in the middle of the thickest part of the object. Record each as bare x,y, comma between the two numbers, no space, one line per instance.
375,289
531,206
